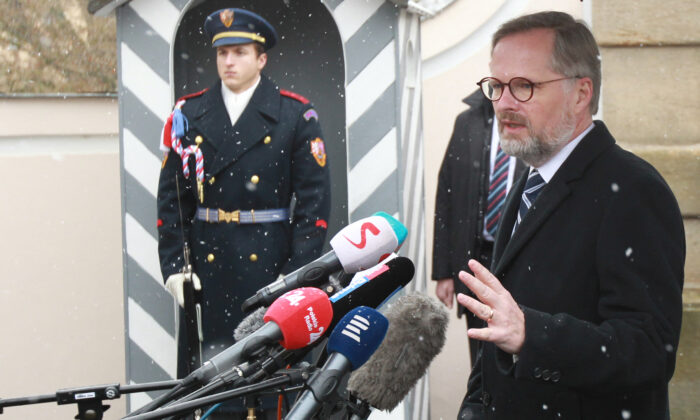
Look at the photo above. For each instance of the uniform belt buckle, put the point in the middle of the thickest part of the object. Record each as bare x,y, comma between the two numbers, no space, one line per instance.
230,216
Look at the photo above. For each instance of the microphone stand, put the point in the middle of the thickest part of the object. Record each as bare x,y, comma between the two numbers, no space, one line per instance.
292,376
241,374
88,398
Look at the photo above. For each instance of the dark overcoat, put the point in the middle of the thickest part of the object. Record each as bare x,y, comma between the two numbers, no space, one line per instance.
462,191
597,268
259,163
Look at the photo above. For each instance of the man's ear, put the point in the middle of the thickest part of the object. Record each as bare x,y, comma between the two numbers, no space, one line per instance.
584,93
262,60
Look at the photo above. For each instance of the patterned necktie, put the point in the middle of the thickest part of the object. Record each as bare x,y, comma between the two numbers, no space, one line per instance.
497,191
533,186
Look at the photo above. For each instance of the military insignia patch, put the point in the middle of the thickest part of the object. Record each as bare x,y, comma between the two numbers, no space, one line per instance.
226,17
311,113
319,151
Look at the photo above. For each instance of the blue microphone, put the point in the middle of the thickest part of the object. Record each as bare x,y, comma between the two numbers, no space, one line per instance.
352,342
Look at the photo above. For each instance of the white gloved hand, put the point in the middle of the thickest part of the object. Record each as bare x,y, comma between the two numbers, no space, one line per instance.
175,285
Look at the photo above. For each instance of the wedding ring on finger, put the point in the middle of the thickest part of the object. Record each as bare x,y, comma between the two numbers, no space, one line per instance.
490,315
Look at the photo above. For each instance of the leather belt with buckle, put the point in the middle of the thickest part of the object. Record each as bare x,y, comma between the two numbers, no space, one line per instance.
242,216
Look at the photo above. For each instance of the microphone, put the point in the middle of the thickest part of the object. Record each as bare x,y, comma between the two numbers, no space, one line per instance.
251,323
296,319
418,324
358,245
377,286
352,342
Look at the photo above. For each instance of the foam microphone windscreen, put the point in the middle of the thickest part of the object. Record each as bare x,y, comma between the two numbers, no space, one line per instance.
250,324
417,328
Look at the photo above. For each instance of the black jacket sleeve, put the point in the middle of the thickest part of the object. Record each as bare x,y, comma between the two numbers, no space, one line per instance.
311,187
170,230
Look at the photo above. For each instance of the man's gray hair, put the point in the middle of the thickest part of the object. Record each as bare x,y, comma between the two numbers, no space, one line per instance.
575,53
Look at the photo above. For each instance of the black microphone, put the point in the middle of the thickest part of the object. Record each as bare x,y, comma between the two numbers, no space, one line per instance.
378,285
352,342
417,328
357,246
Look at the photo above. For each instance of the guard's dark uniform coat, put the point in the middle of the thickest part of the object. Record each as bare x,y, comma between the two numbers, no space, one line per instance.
258,163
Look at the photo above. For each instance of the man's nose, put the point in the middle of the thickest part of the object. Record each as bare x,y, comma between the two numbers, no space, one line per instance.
507,101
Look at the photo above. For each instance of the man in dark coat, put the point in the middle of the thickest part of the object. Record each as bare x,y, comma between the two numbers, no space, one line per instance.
461,202
583,300
240,154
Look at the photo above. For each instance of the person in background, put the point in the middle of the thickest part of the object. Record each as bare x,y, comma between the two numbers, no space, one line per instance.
474,179
582,304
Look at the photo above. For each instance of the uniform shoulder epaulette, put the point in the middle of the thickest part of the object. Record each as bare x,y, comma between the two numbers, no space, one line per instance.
192,95
293,95
176,125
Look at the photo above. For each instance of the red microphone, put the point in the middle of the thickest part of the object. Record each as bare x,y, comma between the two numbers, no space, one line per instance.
295,320
302,315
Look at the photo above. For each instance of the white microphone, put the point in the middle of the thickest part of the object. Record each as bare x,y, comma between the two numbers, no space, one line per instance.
359,245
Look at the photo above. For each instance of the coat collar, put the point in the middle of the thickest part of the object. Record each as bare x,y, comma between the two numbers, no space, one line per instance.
477,100
575,166
231,142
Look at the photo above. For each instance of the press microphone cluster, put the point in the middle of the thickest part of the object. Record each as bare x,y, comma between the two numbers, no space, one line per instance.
358,246
295,320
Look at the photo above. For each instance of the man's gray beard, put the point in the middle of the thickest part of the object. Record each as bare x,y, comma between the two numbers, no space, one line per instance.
536,150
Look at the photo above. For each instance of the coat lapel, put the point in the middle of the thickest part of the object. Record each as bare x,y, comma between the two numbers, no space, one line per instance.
210,117
252,126
556,190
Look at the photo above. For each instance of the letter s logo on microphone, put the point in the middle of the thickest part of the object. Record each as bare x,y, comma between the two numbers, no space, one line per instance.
361,244
363,234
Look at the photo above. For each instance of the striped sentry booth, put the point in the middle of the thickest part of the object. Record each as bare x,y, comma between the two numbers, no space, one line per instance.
379,164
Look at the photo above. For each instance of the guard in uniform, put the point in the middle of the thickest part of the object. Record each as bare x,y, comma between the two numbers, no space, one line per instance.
244,182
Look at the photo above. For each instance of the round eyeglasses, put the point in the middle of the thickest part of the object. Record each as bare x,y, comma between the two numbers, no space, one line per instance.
521,88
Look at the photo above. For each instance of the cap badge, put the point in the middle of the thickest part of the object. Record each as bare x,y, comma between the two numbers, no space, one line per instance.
226,16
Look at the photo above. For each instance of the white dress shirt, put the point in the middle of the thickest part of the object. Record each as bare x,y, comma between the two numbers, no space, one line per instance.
549,168
236,102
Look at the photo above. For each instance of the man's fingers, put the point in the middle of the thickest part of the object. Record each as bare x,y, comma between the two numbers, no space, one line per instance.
481,290
479,309
485,276
444,290
483,334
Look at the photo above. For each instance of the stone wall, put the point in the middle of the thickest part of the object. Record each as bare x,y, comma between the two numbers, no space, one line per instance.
651,96
651,101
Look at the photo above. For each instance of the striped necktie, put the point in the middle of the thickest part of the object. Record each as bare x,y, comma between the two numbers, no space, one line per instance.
533,187
497,191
